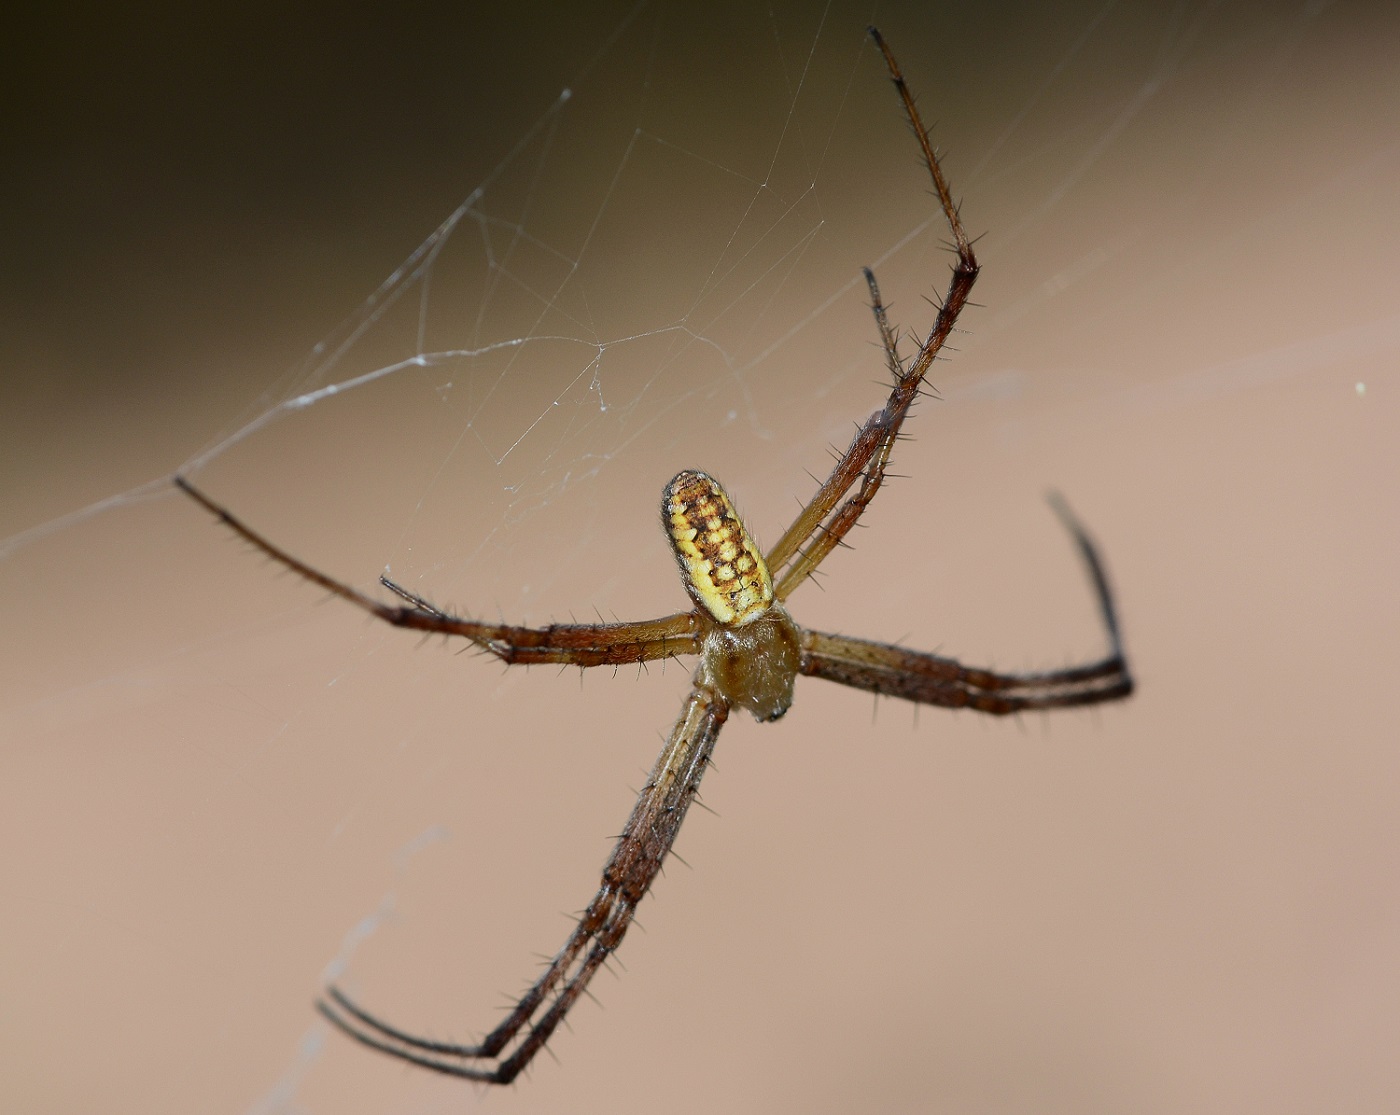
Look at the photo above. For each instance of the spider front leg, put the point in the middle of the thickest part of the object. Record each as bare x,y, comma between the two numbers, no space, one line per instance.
929,679
820,527
572,644
629,873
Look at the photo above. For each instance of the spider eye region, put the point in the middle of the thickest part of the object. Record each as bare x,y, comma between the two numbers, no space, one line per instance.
723,570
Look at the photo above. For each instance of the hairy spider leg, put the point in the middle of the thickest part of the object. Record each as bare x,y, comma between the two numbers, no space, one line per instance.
630,871
813,534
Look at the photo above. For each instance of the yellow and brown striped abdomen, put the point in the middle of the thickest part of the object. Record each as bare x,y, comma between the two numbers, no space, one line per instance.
724,572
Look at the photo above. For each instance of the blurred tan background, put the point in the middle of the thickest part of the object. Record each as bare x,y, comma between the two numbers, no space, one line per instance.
217,790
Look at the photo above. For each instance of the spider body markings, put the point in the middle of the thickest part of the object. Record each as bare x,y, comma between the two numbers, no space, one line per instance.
751,652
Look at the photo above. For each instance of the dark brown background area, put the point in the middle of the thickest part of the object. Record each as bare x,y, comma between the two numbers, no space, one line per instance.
215,792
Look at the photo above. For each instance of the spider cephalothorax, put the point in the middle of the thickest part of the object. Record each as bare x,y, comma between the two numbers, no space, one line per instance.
751,653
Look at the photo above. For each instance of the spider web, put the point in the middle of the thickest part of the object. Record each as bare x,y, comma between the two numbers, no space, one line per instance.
655,266
528,382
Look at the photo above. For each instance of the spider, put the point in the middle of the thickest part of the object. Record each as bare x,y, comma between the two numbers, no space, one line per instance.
751,652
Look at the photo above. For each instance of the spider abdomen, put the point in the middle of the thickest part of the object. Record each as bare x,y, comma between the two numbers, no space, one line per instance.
723,569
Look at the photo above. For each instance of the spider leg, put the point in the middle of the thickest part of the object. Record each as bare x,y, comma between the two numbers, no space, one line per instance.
888,340
417,602
630,870
577,644
1089,553
932,680
820,526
